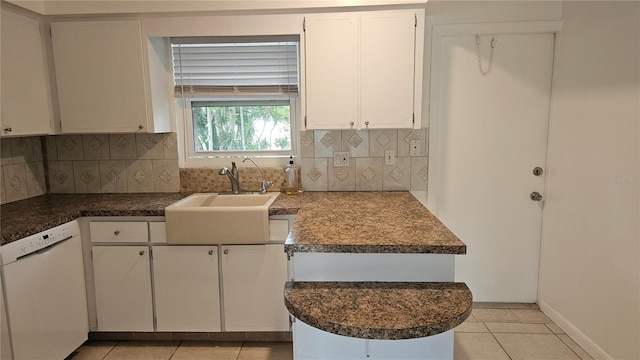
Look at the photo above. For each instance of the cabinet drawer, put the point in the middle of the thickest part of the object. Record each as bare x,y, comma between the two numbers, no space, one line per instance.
122,232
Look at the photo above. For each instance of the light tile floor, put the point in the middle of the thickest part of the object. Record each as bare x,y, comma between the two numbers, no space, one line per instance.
491,334
513,334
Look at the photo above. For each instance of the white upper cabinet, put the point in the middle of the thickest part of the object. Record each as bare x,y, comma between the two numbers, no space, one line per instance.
103,73
26,92
363,69
331,63
388,68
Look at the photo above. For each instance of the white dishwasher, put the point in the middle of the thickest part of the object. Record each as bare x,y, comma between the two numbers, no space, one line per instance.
43,278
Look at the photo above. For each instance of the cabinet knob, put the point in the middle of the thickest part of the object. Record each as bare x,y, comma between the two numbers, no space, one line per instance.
535,196
8,129
116,233
140,127
351,123
141,252
366,124
210,252
226,251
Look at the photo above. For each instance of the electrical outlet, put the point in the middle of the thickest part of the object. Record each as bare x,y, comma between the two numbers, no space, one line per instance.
389,157
340,159
414,147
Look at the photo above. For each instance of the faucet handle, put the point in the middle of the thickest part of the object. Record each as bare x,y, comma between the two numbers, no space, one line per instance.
264,184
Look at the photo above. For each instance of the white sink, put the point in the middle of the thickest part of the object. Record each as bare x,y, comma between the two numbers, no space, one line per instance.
211,218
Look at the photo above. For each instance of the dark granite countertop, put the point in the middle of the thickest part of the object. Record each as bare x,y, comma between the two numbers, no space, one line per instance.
379,310
30,216
382,222
366,222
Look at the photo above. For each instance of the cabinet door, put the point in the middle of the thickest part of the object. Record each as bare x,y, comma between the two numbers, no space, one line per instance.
331,71
253,278
100,76
388,68
26,93
186,287
122,277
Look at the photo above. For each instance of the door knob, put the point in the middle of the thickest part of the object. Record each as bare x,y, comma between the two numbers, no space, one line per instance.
535,196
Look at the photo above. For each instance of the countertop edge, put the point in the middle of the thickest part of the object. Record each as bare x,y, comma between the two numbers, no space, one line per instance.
381,332
385,249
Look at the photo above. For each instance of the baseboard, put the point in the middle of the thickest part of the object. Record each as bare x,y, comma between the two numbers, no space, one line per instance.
255,336
574,333
505,305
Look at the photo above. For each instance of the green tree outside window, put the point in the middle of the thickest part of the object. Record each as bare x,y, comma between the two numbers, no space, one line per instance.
247,126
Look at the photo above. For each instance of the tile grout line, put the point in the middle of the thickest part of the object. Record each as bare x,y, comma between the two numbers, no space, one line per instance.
569,347
110,350
176,349
498,342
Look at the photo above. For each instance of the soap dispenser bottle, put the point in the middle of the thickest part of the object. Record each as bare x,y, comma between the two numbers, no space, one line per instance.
291,184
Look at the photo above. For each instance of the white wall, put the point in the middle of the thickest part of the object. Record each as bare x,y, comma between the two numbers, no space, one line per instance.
590,264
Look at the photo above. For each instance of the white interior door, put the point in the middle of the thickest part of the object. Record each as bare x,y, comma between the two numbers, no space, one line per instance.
488,133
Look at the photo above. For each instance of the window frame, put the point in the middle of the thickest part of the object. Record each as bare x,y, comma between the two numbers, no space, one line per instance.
188,158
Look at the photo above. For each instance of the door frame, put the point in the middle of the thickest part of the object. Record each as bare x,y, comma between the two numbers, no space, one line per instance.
437,33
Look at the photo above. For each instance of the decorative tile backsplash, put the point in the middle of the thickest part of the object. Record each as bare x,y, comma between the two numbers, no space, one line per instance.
113,163
208,180
22,169
366,170
120,163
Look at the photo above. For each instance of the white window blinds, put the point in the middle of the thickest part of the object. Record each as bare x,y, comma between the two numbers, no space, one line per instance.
208,66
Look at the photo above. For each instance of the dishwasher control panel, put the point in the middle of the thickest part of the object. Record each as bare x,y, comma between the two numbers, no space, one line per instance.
37,242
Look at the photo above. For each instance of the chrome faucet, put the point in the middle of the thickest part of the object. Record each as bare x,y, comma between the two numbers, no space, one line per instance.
264,184
233,176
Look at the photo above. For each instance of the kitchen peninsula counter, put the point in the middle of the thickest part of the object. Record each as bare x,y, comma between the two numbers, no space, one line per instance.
365,222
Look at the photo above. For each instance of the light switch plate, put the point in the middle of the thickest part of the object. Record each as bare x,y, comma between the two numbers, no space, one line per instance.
340,159
389,157
414,147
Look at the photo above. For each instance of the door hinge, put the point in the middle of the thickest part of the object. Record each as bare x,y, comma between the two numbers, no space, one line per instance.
304,24
305,122
415,20
413,120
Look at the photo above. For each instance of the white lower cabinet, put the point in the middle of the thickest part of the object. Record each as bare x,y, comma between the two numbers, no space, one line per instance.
186,286
196,288
122,276
253,278
310,343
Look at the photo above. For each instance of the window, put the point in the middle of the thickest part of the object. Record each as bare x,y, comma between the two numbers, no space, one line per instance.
238,94
241,126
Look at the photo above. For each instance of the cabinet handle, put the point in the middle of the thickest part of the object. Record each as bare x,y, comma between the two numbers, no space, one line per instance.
210,252
226,251
141,252
8,129
116,233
